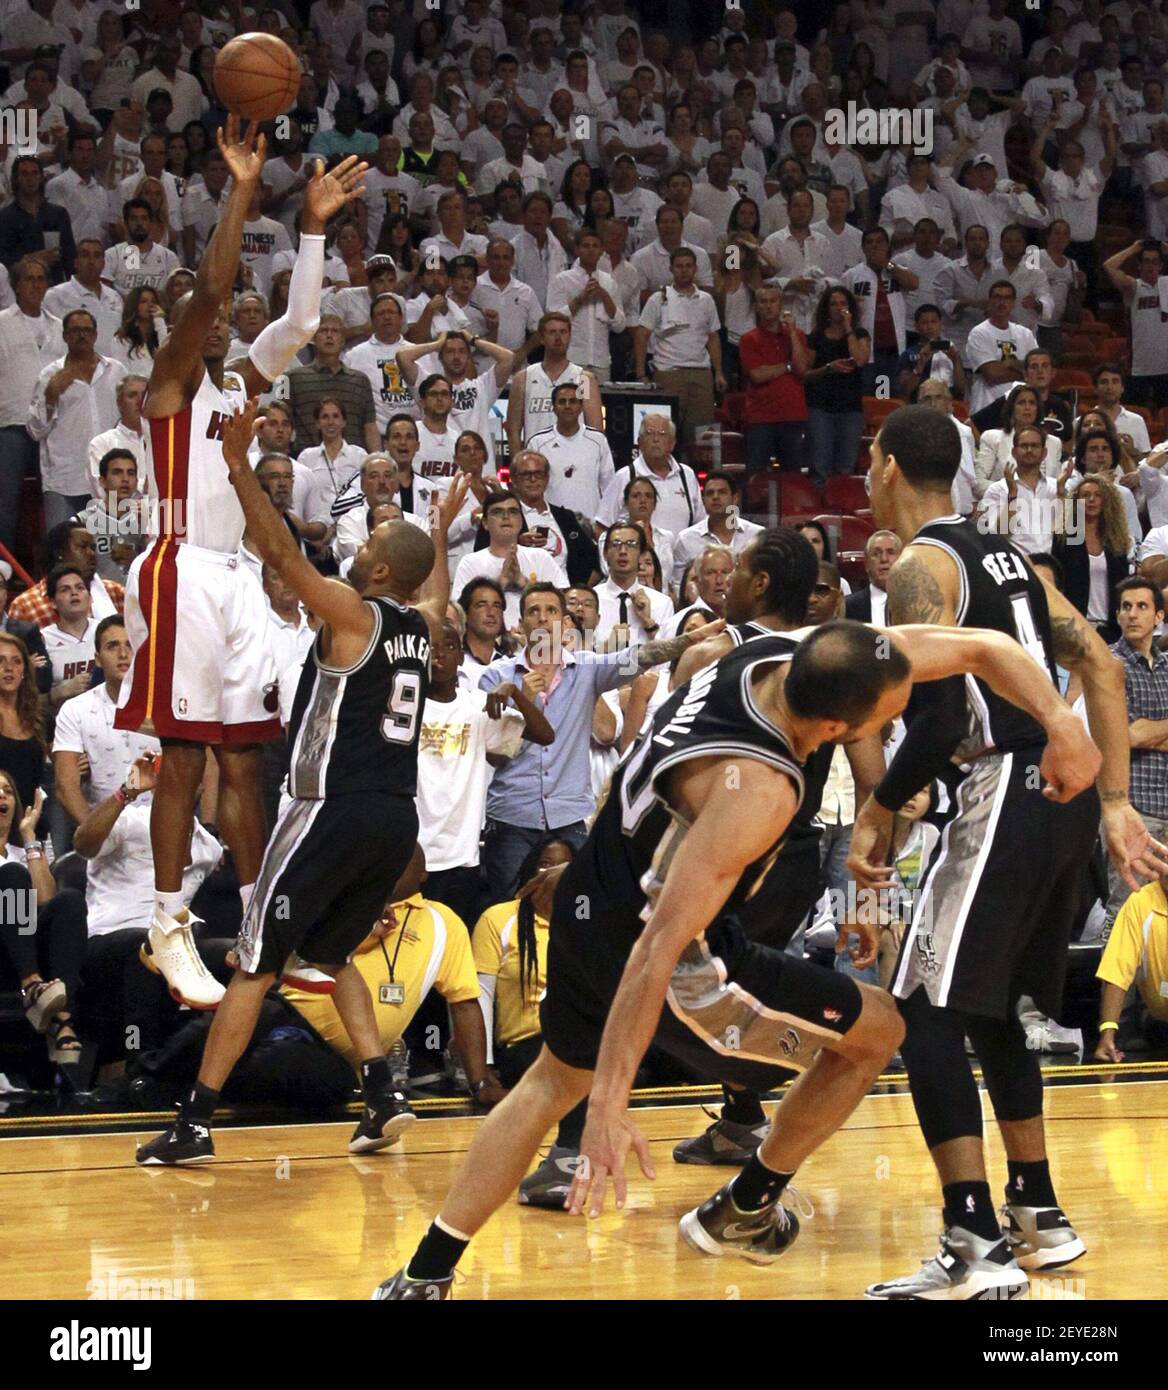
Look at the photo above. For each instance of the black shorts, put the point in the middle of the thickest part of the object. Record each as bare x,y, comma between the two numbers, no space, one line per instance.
993,915
328,870
736,1011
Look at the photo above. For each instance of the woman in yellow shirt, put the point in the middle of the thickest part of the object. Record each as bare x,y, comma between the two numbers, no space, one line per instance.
510,954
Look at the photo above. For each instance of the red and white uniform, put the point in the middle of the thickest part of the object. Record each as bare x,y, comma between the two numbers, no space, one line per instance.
196,614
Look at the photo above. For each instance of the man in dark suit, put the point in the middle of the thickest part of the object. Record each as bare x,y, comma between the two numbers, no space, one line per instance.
565,536
28,633
870,604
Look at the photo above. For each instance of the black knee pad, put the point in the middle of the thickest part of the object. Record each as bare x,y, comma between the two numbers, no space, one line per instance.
1012,1072
940,1078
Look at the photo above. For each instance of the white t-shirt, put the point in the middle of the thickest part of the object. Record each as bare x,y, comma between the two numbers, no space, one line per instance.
533,565
378,361
453,774
989,344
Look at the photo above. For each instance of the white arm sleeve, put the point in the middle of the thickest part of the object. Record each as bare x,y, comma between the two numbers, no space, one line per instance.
487,1004
276,347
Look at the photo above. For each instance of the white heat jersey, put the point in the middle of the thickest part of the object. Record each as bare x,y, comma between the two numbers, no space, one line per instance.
537,396
1148,309
190,488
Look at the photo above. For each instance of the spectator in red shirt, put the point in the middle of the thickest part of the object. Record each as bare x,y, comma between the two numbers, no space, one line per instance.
774,357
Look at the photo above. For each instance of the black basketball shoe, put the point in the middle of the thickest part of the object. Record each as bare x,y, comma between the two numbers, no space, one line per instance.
384,1120
719,1228
402,1289
179,1144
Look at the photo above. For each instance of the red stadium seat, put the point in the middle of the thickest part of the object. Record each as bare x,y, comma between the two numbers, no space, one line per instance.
798,494
1064,377
845,493
876,411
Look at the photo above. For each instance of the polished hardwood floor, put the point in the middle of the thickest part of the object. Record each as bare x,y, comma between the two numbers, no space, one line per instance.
285,1212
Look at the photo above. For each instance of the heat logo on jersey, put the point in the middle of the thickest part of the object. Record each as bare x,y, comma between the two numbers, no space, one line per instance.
215,425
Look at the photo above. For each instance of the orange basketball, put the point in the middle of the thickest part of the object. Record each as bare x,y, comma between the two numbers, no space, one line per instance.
257,76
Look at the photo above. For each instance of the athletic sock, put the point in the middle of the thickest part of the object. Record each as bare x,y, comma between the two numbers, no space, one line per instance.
200,1105
375,1077
437,1254
1029,1184
970,1206
742,1107
170,903
757,1185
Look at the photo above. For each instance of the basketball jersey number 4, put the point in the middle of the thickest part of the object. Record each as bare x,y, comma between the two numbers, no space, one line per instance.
1025,630
400,720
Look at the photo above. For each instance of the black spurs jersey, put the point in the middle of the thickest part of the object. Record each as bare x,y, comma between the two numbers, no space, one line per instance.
637,832
356,729
997,589
817,768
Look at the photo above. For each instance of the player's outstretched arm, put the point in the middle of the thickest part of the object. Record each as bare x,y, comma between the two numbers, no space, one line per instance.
1079,648
178,363
276,347
727,834
342,609
434,594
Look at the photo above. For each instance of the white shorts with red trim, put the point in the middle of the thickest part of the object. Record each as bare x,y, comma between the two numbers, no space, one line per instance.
203,667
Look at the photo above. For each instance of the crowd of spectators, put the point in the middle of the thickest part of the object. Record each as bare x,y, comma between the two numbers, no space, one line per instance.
561,198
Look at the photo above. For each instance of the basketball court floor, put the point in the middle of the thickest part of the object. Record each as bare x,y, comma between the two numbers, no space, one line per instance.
285,1212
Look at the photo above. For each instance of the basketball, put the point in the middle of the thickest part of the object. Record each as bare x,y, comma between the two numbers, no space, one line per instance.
257,76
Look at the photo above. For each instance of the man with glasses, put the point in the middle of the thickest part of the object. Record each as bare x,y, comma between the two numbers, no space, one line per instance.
1022,504
74,399
514,566
630,613
558,531
434,460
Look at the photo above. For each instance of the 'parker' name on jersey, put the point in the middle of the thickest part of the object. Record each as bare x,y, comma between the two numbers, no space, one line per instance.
407,647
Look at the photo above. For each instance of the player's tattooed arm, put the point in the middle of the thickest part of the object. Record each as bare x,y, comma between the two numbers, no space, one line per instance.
1079,648
915,592
667,649
1070,641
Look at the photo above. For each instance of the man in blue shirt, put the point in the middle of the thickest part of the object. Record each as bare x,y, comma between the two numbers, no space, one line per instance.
549,788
